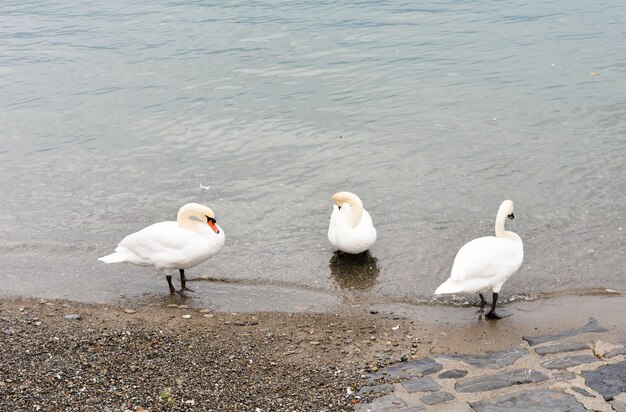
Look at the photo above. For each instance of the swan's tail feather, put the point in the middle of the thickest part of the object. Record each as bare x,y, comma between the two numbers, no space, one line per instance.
112,258
446,287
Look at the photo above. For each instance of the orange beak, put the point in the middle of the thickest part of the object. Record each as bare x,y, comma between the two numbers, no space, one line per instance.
213,226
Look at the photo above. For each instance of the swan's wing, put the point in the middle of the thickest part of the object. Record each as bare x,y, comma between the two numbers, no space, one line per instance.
487,257
158,241
366,219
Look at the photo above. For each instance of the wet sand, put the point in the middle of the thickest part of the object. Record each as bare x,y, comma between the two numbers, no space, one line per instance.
158,358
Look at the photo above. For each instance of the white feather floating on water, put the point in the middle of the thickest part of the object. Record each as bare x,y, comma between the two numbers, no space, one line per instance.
203,187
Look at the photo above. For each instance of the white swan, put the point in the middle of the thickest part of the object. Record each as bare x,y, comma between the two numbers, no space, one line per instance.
166,246
484,264
351,229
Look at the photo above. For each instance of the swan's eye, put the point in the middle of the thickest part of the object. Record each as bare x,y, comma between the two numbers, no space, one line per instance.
511,216
339,207
210,220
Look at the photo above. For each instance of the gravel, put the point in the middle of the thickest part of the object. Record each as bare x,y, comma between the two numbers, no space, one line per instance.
155,360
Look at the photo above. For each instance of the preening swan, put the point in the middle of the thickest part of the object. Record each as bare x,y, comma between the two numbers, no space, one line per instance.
166,246
484,264
351,229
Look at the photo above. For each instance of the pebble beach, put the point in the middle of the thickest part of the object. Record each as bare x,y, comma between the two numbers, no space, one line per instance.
70,356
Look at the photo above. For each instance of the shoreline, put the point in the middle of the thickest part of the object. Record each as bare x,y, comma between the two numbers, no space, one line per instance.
159,357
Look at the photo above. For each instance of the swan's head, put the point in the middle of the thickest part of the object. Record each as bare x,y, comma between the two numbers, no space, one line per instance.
356,205
200,212
507,208
340,198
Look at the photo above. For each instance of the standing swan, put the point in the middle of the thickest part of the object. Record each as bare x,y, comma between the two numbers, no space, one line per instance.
166,246
484,264
351,229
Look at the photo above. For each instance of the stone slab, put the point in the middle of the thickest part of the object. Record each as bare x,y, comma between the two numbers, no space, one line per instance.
563,348
538,400
500,380
568,361
426,384
385,387
582,392
453,374
492,360
389,403
607,380
436,398
407,370
615,352
592,326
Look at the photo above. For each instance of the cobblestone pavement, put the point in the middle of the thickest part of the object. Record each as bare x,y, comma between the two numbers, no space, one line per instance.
575,370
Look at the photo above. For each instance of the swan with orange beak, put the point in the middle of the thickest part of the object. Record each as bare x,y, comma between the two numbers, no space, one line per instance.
165,246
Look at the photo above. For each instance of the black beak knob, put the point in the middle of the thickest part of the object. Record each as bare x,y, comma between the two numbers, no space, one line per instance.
511,216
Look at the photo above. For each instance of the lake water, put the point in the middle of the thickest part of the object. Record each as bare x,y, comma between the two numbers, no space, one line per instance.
112,114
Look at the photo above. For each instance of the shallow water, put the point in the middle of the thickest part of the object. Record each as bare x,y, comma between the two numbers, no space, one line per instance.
113,114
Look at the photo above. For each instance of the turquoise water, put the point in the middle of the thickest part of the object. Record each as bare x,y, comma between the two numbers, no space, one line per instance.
114,113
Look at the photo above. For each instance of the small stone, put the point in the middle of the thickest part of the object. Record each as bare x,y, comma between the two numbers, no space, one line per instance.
37,323
73,316
130,311
592,326
568,362
227,322
607,380
500,380
374,312
493,360
453,374
533,400
186,316
314,342
568,347
408,370
172,305
615,352
563,376
601,348
384,403
183,306
582,392
385,387
436,398
209,315
426,384
204,310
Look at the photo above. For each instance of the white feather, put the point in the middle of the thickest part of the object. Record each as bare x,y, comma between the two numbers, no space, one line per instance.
347,237
484,264
169,245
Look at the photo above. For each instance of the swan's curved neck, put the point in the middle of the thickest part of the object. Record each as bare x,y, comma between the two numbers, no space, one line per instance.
184,216
356,209
500,219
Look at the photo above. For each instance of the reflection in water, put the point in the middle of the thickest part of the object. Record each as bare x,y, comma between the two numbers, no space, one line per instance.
354,272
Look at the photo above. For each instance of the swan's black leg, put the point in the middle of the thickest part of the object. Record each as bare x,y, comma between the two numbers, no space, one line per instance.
183,280
483,302
492,312
169,282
